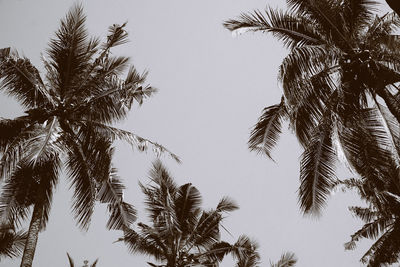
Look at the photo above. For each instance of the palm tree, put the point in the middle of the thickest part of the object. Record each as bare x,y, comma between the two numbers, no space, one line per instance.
67,123
342,60
85,263
381,218
11,241
181,233
288,259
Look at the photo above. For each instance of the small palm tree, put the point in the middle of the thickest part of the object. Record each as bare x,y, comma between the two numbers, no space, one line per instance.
68,120
342,59
181,233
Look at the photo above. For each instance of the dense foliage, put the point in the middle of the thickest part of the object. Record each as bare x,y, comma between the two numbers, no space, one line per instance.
180,233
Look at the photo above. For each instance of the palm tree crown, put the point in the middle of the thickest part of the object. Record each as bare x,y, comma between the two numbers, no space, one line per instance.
68,115
181,233
341,60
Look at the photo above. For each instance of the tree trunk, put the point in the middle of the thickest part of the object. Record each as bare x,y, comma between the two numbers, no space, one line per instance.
392,103
33,234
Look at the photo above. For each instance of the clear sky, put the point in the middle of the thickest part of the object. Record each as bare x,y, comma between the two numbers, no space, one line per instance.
212,88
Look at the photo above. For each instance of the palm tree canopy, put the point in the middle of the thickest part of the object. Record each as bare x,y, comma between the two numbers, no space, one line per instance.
381,219
180,233
337,51
68,113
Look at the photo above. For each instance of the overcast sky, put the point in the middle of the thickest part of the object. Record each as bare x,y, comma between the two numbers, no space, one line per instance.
212,88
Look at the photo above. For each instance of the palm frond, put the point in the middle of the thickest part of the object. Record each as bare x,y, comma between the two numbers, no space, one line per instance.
94,263
381,29
11,242
325,14
293,30
317,172
116,36
365,214
366,145
305,118
14,150
138,243
79,172
122,214
30,185
245,251
306,69
226,204
357,14
70,260
370,230
136,141
67,51
10,129
265,133
385,250
288,259
392,128
44,144
13,209
187,205
20,79
110,98
207,230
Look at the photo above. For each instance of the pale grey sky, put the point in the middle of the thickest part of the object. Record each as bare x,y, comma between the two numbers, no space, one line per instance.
212,90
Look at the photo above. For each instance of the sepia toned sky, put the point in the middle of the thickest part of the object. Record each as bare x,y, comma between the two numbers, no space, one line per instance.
212,88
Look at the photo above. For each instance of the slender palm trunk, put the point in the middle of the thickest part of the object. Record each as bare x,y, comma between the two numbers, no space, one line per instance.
33,234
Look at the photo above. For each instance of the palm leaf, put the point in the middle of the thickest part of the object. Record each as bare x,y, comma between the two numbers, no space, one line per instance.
385,250
94,263
22,80
70,260
10,129
287,26
187,205
365,214
67,50
265,133
122,214
370,230
136,141
366,145
317,172
226,204
80,174
144,244
288,259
